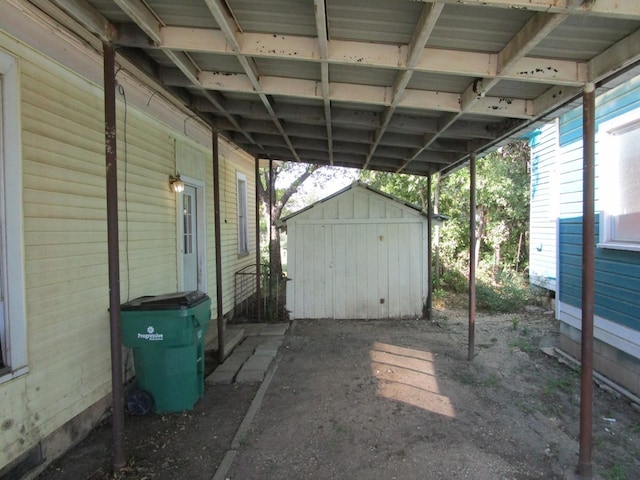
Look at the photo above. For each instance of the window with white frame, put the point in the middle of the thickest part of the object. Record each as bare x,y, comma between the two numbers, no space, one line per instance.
243,217
620,187
13,343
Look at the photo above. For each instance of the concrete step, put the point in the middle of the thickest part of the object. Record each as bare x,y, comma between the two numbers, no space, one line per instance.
250,360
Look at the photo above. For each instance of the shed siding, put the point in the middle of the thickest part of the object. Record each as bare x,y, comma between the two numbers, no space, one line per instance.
64,206
357,255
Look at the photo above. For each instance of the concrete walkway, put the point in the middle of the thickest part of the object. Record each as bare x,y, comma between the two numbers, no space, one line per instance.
249,360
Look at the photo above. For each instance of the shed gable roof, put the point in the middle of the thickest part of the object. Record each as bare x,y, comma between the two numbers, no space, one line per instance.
356,201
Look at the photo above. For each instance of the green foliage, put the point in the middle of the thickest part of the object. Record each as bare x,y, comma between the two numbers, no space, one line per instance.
454,281
509,293
617,472
412,188
523,344
502,200
566,384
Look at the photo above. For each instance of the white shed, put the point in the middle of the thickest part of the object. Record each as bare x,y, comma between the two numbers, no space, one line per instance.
359,254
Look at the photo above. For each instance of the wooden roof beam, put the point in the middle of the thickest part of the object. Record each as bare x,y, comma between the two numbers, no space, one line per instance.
230,29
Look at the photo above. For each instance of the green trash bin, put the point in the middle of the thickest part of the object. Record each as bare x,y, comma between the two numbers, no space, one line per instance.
166,333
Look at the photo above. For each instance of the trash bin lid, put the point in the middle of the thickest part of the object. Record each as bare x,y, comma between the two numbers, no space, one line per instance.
167,301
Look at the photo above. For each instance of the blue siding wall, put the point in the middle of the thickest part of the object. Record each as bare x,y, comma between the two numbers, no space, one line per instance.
617,282
609,105
617,286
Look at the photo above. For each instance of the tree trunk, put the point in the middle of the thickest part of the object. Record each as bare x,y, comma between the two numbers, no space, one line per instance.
519,250
272,209
275,257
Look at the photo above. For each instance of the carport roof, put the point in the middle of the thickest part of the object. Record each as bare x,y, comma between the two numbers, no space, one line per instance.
391,85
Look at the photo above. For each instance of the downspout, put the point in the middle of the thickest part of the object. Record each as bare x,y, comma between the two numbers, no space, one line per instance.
258,299
218,235
585,468
472,254
429,247
111,161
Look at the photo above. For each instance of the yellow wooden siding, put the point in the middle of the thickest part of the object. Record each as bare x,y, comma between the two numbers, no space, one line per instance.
232,160
64,207
65,243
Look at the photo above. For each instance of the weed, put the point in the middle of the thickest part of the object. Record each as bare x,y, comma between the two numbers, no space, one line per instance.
471,378
525,331
523,344
617,472
340,428
553,409
565,384
466,378
243,441
514,323
526,409
491,381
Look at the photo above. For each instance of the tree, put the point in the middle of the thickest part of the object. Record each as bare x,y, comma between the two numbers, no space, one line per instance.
284,201
502,209
270,196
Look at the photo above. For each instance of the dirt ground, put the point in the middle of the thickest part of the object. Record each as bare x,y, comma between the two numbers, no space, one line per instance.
387,400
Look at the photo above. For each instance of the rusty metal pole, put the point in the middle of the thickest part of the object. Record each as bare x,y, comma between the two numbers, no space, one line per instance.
271,194
258,290
218,235
585,468
472,254
111,159
429,247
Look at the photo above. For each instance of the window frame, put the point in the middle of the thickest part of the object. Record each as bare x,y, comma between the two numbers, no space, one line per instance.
14,328
607,143
242,206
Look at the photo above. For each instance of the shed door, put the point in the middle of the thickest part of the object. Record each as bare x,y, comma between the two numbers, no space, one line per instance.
359,270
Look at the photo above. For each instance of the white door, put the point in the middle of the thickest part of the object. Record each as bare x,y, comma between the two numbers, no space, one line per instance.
363,270
189,238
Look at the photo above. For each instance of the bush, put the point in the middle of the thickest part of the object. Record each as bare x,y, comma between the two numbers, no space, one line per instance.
454,281
509,293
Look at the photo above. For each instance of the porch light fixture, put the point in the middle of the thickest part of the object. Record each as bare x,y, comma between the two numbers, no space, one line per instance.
177,185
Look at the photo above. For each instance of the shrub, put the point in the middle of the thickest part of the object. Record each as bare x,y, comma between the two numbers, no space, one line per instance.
509,293
454,281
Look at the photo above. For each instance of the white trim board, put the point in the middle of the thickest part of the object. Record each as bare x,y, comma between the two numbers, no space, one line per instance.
13,217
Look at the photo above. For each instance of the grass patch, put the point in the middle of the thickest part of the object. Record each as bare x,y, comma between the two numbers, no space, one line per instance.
526,408
340,428
566,384
523,344
617,472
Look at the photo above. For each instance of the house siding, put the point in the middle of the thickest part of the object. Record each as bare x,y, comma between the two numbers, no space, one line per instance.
617,272
233,160
65,233
543,208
